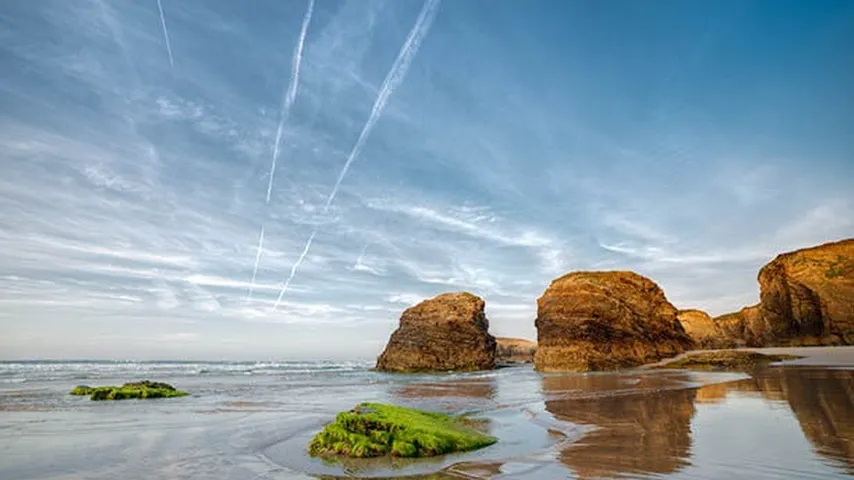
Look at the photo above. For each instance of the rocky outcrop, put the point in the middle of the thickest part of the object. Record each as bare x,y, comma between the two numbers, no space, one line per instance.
705,332
515,350
448,332
605,321
806,298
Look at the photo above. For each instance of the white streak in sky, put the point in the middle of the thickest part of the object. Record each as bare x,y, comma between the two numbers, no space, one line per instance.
392,81
362,254
165,33
294,268
257,259
290,95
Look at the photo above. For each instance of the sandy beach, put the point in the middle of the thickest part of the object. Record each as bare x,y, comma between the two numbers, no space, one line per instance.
254,421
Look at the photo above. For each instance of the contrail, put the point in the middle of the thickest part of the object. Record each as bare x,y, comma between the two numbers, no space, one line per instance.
392,81
294,268
290,94
165,34
257,259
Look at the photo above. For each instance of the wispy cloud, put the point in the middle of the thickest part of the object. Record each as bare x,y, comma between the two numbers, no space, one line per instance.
132,198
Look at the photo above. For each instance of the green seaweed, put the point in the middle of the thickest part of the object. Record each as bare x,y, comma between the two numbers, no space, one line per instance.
375,430
144,389
727,360
82,390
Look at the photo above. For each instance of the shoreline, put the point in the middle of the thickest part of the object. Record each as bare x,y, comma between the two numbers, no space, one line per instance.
823,356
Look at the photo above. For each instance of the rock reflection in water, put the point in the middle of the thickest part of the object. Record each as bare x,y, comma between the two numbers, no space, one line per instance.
822,401
643,422
466,388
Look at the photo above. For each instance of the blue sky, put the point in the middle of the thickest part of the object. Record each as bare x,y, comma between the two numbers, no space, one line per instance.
512,142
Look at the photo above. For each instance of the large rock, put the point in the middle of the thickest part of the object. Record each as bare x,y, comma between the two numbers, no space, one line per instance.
605,321
742,328
806,298
703,330
515,350
448,332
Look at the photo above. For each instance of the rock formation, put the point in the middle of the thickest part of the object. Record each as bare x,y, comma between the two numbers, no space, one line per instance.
806,298
605,321
705,332
515,350
448,332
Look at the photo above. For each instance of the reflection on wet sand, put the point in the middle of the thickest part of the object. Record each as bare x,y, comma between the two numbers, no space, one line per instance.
467,388
822,401
643,422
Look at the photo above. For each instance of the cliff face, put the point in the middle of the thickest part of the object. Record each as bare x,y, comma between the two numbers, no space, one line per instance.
448,332
806,298
515,350
605,321
705,331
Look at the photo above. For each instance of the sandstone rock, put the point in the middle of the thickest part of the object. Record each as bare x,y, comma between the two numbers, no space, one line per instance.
703,330
448,332
742,328
806,298
515,350
605,321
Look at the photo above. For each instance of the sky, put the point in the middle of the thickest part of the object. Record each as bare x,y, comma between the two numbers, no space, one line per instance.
419,148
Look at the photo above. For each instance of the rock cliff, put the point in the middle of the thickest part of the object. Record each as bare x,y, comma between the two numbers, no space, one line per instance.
448,332
605,321
806,298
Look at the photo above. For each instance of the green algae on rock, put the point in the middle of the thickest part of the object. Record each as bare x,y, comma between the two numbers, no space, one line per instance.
376,430
143,389
726,360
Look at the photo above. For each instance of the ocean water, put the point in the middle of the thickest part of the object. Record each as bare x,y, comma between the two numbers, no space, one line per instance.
253,420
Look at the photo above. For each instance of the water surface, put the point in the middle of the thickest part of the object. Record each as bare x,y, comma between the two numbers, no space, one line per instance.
253,420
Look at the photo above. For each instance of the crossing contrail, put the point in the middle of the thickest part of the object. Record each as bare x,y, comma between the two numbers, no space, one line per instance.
392,80
165,34
257,259
290,94
294,268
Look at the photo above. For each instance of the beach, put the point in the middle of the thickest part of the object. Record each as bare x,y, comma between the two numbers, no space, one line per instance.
253,420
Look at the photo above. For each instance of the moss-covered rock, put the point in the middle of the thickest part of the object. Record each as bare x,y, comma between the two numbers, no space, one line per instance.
375,430
726,360
82,390
143,389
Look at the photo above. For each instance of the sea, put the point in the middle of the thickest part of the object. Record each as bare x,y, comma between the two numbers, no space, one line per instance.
253,420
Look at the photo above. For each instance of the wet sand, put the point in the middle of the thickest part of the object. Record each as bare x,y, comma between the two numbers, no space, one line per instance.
842,356
794,421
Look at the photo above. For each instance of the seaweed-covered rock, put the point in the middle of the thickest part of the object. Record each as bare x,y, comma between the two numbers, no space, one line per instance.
143,389
448,332
515,350
375,430
605,321
734,360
